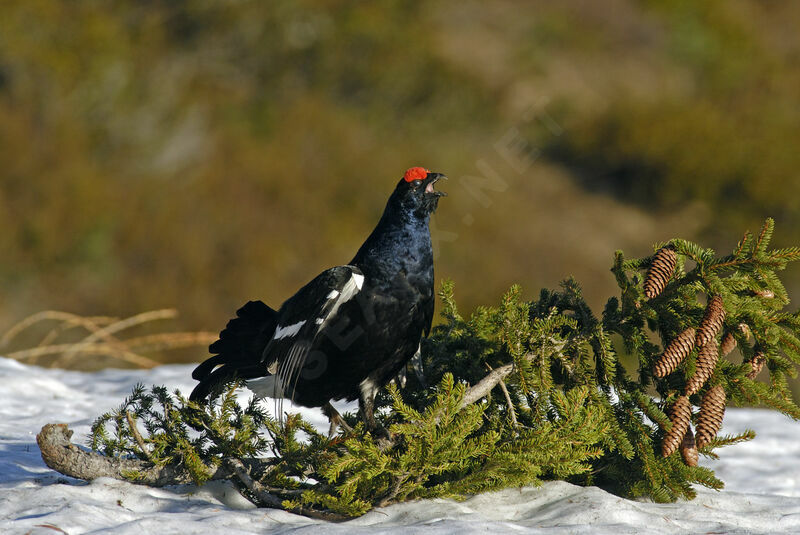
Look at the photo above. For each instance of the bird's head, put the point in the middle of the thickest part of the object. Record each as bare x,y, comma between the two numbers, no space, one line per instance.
415,193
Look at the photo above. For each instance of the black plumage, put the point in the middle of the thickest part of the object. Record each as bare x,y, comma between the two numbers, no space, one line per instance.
348,331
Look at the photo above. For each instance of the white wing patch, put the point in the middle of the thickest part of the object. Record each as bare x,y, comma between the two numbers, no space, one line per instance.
349,290
359,280
290,330
334,294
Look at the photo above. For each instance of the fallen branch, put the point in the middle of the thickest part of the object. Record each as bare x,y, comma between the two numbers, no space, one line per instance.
60,454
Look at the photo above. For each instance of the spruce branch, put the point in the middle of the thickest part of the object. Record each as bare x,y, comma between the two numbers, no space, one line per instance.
568,406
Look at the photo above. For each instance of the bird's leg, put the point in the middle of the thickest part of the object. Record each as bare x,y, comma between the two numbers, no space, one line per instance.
366,408
366,403
416,365
401,378
336,419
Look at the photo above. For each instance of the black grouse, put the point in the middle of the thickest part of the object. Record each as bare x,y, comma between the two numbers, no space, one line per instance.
351,329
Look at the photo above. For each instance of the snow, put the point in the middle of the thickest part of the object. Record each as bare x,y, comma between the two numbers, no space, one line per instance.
761,495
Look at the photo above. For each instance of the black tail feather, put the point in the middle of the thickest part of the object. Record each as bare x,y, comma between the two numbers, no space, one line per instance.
238,350
207,366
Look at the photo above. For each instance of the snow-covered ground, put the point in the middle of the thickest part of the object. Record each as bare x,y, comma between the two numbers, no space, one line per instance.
762,493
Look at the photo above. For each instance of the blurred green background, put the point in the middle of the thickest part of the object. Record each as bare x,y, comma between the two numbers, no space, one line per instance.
197,154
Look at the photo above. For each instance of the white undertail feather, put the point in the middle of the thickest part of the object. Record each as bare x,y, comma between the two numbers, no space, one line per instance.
264,387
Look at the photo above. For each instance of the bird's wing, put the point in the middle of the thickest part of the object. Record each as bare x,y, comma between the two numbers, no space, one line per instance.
301,319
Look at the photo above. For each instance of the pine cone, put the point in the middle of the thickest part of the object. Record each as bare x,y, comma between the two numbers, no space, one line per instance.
675,352
711,413
712,321
706,362
729,341
681,416
728,344
689,449
757,364
661,269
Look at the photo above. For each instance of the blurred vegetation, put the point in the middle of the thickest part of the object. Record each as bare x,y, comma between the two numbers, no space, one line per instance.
196,154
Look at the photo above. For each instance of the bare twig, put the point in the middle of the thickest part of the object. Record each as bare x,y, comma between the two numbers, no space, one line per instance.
264,498
395,490
96,349
136,435
127,323
100,339
90,324
511,410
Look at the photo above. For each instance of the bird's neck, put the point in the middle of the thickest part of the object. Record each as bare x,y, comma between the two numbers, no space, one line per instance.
400,243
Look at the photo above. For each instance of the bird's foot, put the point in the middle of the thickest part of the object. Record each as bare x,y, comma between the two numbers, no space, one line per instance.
383,439
335,419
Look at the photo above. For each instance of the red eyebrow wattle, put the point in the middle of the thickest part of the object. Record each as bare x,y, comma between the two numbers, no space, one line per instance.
415,173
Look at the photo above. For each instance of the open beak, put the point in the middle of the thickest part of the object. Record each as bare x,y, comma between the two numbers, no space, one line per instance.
432,179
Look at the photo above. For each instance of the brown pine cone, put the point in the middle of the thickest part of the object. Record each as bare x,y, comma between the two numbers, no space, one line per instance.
711,413
706,362
712,321
675,352
728,344
757,364
660,272
680,414
689,449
